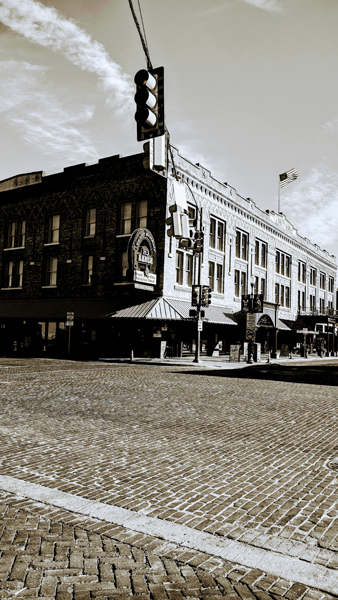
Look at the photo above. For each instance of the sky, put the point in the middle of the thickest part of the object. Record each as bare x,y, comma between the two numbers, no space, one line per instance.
251,91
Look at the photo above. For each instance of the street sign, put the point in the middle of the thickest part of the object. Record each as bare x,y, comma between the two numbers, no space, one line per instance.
250,334
199,325
69,323
250,320
70,316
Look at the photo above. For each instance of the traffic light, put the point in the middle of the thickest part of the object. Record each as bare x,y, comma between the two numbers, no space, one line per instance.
195,295
206,295
199,241
187,243
149,99
174,222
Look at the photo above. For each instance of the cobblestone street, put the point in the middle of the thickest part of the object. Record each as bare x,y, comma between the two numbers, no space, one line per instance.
248,456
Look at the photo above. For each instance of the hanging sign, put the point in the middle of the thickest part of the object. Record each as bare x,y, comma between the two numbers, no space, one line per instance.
142,257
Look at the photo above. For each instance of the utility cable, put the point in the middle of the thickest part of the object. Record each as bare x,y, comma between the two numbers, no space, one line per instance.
143,40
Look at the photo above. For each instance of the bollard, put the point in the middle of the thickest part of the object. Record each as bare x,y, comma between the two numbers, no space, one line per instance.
131,355
290,355
268,358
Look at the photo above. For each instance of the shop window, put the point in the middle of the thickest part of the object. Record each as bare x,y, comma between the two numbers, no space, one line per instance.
242,244
189,269
126,218
212,276
219,279
142,208
53,231
90,222
301,271
51,272
87,270
313,273
322,281
179,267
16,234
13,274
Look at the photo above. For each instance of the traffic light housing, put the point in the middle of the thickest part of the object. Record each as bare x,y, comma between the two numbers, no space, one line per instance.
206,295
149,99
199,242
195,295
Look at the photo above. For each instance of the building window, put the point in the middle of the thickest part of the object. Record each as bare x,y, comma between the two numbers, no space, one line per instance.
220,236
241,245
301,301
219,279
256,288
322,305
283,262
189,269
287,296
87,269
126,218
313,273
51,272
331,284
53,232
91,222
322,281
212,236
260,254
263,288
276,293
142,208
212,276
243,283
13,274
237,276
179,267
301,271
282,297
16,234
312,302
124,264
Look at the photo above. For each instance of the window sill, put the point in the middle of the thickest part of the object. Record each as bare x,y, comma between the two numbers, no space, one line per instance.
45,287
11,288
52,244
15,248
88,237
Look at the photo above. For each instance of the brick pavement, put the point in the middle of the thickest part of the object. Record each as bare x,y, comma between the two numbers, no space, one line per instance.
251,460
54,554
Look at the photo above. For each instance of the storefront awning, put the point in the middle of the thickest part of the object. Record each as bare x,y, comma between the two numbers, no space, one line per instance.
56,310
171,309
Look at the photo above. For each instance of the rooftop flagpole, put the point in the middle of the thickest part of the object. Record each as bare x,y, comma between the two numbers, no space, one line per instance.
284,179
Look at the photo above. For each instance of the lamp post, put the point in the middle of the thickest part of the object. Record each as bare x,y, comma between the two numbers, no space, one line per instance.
276,309
250,360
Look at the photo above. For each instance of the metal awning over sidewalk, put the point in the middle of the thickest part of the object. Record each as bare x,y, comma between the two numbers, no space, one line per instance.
56,309
172,309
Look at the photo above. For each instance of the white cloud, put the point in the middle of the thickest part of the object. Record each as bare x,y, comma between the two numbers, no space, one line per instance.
47,27
331,126
311,205
270,5
55,127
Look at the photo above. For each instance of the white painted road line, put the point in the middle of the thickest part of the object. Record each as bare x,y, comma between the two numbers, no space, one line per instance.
312,575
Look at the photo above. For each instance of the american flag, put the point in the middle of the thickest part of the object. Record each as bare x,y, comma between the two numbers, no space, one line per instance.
287,177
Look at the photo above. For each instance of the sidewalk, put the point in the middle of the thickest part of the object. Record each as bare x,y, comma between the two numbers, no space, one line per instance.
217,362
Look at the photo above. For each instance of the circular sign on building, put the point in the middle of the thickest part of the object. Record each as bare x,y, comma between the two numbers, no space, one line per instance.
142,257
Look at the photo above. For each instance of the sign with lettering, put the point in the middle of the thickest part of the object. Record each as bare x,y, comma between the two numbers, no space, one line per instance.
250,320
142,258
234,353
